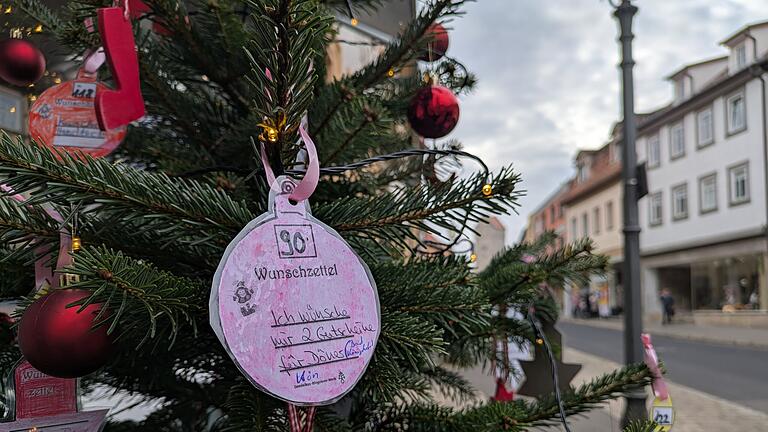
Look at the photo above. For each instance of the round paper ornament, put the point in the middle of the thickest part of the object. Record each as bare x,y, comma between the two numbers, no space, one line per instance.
60,341
433,112
64,117
294,306
21,62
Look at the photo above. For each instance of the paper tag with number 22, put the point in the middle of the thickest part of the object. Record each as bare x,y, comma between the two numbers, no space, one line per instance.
663,414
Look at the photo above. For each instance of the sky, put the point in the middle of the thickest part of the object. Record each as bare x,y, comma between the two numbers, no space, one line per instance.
549,80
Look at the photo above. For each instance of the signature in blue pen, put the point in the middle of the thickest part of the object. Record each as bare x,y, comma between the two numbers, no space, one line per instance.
356,348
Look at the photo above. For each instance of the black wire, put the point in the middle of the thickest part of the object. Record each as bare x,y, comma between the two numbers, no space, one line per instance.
340,169
552,363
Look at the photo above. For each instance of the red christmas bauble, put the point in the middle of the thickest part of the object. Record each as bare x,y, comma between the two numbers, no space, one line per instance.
433,112
21,63
59,341
438,44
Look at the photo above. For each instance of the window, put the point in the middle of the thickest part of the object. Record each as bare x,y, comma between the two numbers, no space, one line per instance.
574,228
708,193
738,185
680,202
654,151
596,220
552,214
676,140
584,225
583,172
679,90
609,216
737,113
654,209
741,56
705,133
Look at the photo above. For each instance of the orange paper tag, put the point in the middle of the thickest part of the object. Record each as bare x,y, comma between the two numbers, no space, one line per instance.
64,117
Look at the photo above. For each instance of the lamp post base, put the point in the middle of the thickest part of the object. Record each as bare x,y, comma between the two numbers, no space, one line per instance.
636,409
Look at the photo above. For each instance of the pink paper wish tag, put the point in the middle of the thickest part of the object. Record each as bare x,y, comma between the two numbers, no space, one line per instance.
294,305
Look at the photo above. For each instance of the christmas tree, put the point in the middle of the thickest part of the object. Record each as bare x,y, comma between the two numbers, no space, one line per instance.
220,79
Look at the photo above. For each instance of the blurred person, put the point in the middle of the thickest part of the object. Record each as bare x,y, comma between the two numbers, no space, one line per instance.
754,300
667,306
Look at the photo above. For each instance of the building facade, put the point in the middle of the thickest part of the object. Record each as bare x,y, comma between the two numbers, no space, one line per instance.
549,216
593,209
704,220
488,242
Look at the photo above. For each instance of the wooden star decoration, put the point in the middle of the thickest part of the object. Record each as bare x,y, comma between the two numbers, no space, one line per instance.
538,374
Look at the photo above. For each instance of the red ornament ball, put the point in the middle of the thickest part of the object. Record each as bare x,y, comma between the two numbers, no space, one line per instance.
433,112
21,62
59,341
438,44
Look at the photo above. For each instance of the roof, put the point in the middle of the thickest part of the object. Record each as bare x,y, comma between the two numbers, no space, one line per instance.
552,196
722,83
602,175
741,31
685,68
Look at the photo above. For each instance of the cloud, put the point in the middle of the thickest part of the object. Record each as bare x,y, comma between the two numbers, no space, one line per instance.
549,82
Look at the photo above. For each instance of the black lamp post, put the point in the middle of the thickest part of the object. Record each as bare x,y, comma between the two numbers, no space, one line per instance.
633,321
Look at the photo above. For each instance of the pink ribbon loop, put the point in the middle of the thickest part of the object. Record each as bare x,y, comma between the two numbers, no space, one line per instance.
93,60
660,389
308,184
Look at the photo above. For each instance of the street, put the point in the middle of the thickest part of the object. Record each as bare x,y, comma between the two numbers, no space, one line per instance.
737,374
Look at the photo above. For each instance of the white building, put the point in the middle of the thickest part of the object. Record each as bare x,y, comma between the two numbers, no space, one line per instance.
704,220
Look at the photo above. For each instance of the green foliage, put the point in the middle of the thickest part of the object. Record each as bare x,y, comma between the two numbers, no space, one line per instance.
156,216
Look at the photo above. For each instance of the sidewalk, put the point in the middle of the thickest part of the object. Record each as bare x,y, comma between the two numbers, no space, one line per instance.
740,336
695,411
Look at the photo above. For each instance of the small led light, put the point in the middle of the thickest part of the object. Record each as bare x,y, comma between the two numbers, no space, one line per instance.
205,78
391,73
539,341
473,258
76,243
13,109
354,22
57,80
38,28
8,10
487,189
32,98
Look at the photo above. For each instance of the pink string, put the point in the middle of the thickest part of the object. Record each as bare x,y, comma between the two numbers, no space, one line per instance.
295,419
44,273
93,60
660,389
308,184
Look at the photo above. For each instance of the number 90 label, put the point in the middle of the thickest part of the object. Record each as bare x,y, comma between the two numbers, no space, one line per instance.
295,241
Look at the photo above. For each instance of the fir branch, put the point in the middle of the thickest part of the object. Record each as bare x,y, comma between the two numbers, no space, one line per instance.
392,216
181,209
141,302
